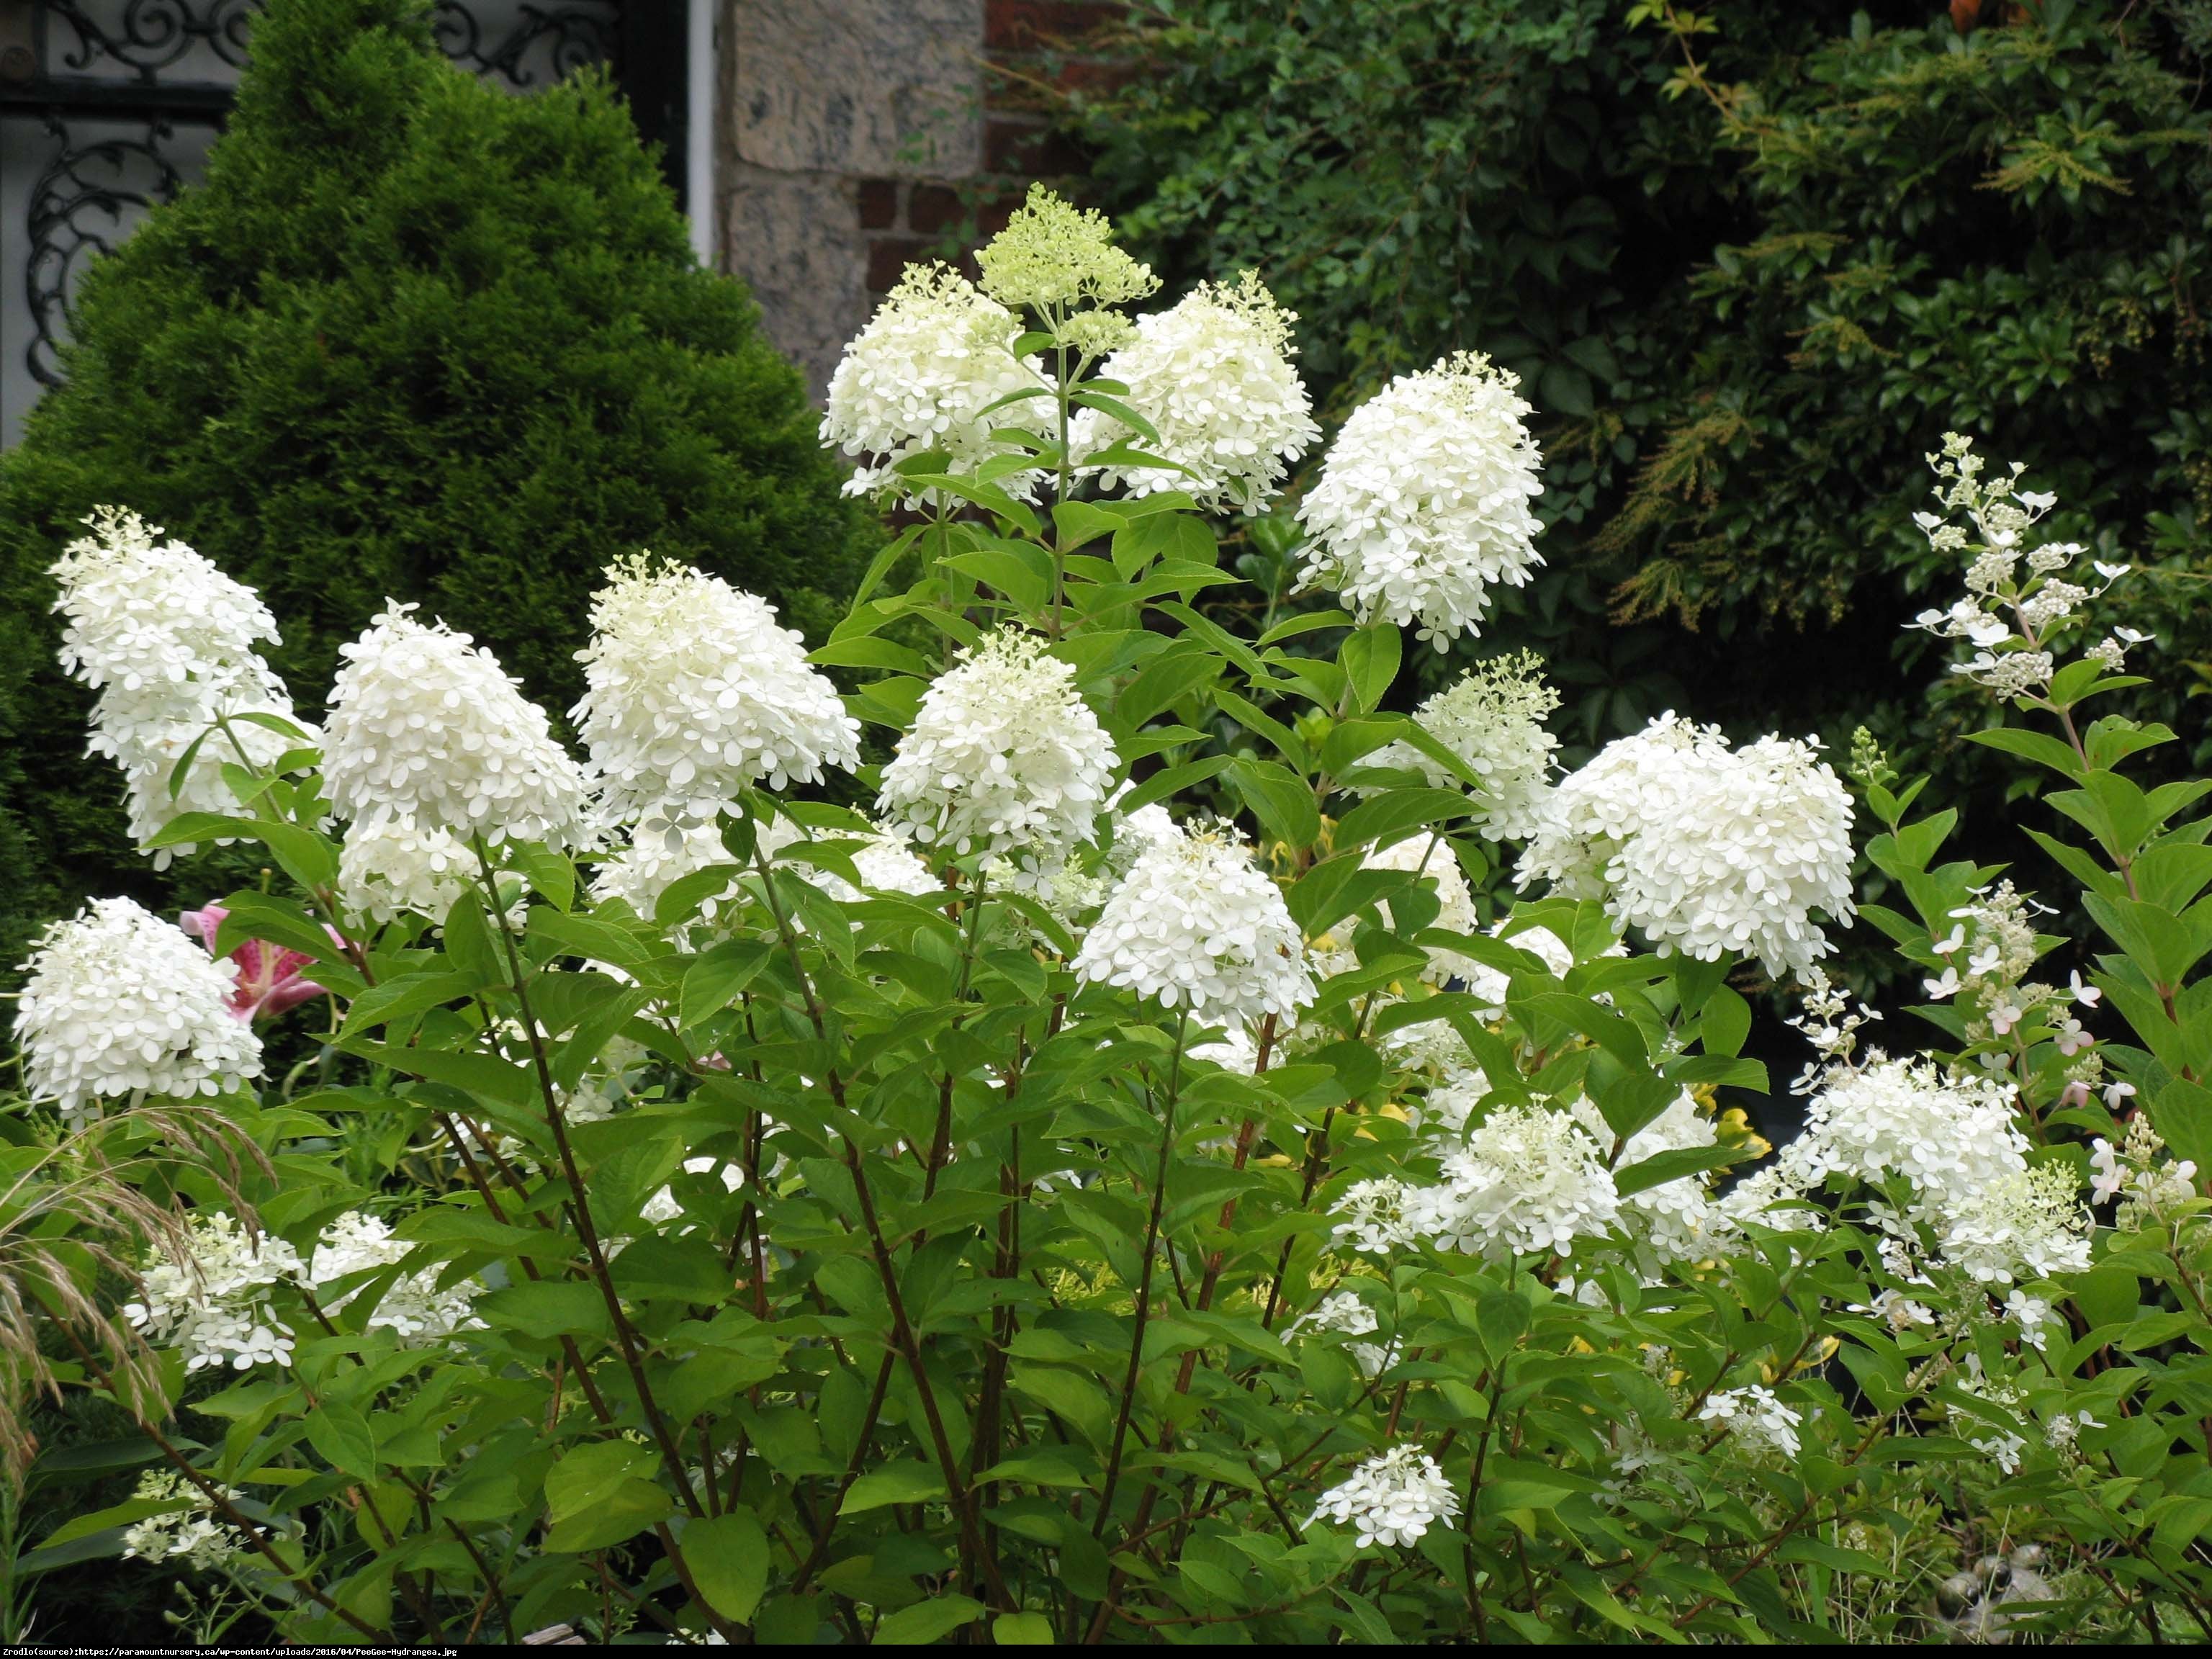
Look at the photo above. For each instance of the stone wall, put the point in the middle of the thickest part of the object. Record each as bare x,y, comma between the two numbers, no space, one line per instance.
857,135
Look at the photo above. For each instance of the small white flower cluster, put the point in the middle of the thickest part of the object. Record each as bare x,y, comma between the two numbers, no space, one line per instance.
1492,718
1489,985
1058,259
1393,1498
1677,1220
2148,1187
1198,925
1755,1417
1212,375
1707,850
167,641
1003,755
424,727
188,1533
1430,858
693,692
1525,1181
1344,1314
932,374
2040,601
1993,941
1954,1138
1376,1215
2026,1224
1832,1025
412,1307
1422,506
401,867
660,853
119,1003
217,1306
2001,1446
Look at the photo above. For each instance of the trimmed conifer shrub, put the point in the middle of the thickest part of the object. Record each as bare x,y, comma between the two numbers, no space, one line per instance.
414,336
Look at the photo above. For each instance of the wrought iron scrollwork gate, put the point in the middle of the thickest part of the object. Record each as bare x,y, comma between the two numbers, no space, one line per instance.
107,107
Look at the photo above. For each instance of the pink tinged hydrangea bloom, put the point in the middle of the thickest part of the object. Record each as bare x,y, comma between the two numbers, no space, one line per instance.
270,977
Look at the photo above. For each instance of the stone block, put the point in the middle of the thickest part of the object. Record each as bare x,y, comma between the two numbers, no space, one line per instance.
888,89
796,239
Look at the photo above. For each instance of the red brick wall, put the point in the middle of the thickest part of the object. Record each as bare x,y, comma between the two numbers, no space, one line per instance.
1034,51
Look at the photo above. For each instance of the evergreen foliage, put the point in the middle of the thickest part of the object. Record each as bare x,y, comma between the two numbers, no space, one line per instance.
413,336
1752,264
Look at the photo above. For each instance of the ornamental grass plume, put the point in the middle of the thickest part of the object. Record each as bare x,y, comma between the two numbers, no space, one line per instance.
120,1005
932,374
1707,851
693,693
1213,376
1422,507
167,642
1004,757
1492,718
1393,1498
425,726
1199,926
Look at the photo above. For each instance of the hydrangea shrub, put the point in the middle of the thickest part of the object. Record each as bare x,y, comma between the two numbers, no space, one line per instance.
1123,1187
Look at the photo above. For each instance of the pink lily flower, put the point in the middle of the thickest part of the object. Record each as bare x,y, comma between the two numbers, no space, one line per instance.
269,977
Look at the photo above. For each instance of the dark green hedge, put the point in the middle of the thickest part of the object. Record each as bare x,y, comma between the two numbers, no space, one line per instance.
414,337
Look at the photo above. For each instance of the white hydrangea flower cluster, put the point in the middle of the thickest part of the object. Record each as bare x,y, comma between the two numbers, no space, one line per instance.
1198,925
1212,373
119,1003
1492,718
693,692
2147,1186
1525,1181
1344,1314
2001,1446
2000,596
1756,1416
1378,1216
1430,858
1707,850
217,1307
1058,259
401,867
412,1307
1948,1135
660,853
1489,985
1677,1220
1988,954
931,374
1003,755
2024,1225
424,727
1393,1498
167,641
188,1533
1422,506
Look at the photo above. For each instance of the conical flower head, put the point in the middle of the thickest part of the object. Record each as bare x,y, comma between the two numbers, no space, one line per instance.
1213,376
1054,257
167,641
694,692
1004,756
118,1001
931,373
1423,503
1198,925
425,726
